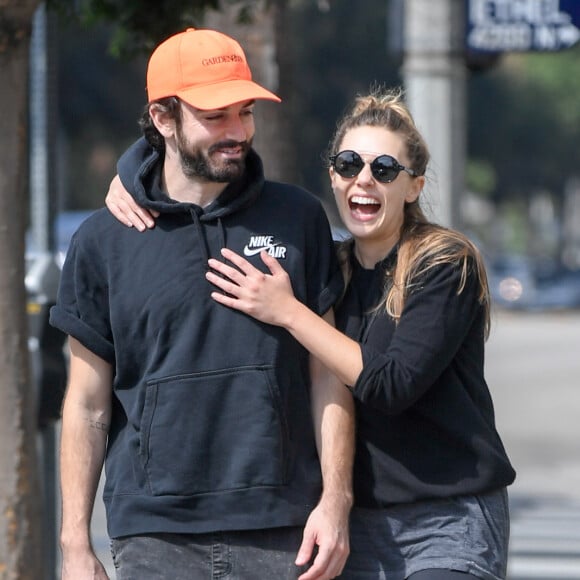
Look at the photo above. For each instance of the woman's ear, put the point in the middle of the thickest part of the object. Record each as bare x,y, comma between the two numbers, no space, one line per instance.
332,175
417,184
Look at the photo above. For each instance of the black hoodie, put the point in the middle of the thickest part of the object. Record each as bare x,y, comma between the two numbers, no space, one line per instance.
212,427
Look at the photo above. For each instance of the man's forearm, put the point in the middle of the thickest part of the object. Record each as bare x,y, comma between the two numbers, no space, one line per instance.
85,425
327,525
83,442
333,409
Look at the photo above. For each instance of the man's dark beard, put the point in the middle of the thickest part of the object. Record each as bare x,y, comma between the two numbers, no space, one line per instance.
199,165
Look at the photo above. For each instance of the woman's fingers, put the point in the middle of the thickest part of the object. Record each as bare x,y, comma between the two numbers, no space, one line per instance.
248,289
245,266
230,273
223,284
272,263
238,261
125,208
136,215
226,300
248,282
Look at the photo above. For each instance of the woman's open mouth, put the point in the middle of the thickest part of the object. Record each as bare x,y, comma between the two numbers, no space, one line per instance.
363,207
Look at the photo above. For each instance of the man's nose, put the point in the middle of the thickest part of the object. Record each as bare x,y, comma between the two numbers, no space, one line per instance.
236,130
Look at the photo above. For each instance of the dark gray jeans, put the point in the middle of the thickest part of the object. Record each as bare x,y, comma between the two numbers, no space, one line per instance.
464,533
239,555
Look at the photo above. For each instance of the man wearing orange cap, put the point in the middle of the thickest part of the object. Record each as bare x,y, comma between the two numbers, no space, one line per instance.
202,415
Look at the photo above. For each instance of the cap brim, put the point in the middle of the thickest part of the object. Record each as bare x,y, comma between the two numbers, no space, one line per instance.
220,95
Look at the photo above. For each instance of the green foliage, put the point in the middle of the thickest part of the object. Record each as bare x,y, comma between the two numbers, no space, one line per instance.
523,114
139,25
516,226
524,121
481,177
559,78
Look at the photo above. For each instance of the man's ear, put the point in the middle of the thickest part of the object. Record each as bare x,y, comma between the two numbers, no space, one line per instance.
162,120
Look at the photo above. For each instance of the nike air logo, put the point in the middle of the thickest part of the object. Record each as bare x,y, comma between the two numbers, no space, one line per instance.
253,251
262,243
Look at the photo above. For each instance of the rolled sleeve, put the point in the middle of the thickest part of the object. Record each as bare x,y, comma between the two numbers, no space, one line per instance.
82,306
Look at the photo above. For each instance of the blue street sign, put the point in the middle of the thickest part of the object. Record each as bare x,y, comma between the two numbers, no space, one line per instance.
522,25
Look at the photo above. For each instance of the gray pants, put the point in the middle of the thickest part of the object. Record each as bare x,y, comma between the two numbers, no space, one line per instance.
239,555
467,534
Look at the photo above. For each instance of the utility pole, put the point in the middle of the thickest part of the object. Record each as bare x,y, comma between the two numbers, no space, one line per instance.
42,273
434,76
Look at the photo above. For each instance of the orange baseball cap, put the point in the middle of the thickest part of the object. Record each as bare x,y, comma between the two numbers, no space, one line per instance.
205,68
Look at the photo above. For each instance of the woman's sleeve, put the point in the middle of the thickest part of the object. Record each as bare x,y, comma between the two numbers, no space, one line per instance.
433,325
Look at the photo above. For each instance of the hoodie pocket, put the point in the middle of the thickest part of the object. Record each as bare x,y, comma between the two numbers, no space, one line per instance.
213,431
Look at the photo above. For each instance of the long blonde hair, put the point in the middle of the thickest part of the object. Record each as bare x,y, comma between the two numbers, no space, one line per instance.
422,244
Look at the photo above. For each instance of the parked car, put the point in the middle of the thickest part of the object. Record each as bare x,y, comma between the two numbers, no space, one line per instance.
65,225
524,283
560,290
46,343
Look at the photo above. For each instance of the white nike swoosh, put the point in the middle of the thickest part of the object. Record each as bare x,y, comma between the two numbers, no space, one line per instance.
253,251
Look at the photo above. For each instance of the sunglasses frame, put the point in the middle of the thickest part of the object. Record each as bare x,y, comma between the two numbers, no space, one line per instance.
396,166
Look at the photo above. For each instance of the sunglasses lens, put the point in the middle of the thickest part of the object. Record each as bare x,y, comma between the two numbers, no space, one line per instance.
348,164
385,168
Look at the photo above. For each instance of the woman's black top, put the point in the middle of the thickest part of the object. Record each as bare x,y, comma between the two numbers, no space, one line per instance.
426,426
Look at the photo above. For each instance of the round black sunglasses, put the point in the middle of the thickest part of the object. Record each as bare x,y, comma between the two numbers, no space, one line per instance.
384,168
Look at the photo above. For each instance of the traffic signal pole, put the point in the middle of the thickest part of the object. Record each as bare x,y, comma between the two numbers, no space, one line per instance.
434,76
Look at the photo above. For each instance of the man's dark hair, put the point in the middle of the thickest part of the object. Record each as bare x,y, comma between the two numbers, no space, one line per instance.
171,106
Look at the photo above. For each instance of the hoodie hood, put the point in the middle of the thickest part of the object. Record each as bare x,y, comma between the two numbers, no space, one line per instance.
140,172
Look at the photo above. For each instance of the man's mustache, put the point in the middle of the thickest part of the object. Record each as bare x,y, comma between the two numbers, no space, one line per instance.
230,143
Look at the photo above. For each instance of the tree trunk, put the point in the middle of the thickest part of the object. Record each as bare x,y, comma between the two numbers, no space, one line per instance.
20,504
270,62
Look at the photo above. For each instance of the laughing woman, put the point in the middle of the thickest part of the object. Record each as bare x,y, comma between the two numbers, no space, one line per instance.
431,471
